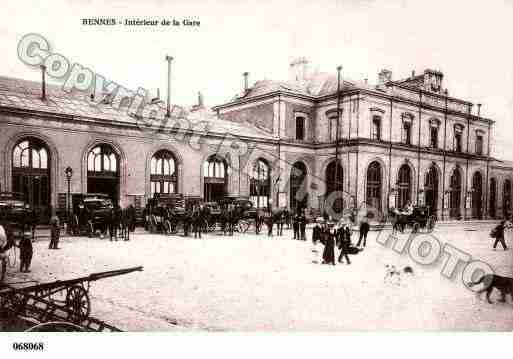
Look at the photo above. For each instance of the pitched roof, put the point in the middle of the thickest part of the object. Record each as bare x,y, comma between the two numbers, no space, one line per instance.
26,95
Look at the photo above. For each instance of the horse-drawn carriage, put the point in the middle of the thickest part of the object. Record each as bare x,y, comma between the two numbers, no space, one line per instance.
14,210
91,213
165,213
420,218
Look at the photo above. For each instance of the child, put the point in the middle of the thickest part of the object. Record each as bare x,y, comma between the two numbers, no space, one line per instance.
26,252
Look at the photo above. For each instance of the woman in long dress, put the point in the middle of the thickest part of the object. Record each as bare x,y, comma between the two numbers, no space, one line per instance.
328,256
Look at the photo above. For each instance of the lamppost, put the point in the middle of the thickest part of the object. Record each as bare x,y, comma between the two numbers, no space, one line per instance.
447,199
69,173
468,203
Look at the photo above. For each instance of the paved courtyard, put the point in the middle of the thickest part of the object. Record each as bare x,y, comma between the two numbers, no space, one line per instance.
251,282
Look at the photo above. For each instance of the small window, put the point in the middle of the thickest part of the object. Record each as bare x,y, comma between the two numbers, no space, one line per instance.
376,128
333,129
433,140
479,144
407,132
458,138
300,128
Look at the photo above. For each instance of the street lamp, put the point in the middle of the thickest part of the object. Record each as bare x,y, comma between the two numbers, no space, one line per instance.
69,173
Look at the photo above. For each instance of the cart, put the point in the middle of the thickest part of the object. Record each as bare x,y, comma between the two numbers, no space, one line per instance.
59,301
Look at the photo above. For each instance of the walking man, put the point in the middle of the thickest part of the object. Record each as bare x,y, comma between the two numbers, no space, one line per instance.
55,231
302,225
499,235
26,252
344,237
295,225
364,230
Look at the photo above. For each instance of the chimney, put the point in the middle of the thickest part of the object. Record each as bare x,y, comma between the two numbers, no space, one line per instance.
246,85
384,76
299,70
478,110
412,73
43,83
200,99
168,59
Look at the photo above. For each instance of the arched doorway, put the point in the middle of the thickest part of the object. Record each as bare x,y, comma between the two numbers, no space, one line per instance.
455,194
506,198
163,173
31,173
298,195
431,190
404,186
477,195
493,198
103,171
215,179
260,184
373,191
335,182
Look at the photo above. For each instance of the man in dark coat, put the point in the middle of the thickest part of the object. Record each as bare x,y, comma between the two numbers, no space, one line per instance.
55,231
279,223
302,226
131,217
26,252
328,255
112,224
197,217
364,230
316,233
499,235
295,225
344,241
269,222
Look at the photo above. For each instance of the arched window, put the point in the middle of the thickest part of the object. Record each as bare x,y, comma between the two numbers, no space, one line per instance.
493,197
376,128
260,184
102,158
298,194
31,172
215,176
404,186
506,198
103,171
455,193
373,190
335,182
477,195
163,176
300,128
431,189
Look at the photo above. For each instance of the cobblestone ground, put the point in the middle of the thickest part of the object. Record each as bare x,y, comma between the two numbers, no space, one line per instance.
250,282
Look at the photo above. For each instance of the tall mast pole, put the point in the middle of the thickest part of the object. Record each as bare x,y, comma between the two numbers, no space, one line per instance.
337,136
168,59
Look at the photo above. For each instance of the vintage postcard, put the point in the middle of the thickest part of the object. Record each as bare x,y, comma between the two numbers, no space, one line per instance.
190,167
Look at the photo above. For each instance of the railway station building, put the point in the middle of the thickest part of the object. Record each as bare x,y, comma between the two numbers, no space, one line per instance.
281,143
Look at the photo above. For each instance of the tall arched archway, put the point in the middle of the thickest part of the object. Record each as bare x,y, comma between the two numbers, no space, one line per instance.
431,189
374,185
455,194
477,195
31,172
493,198
298,194
404,186
335,182
163,172
260,184
215,175
103,171
506,198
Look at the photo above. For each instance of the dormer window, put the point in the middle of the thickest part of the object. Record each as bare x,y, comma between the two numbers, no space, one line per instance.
376,128
458,138
406,130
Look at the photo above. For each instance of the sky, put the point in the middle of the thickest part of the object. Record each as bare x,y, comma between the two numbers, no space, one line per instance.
468,41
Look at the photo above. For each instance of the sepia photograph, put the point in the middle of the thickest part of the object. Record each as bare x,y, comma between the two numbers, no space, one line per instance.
185,168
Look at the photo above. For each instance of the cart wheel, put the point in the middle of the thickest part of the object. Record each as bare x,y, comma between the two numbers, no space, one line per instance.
77,302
